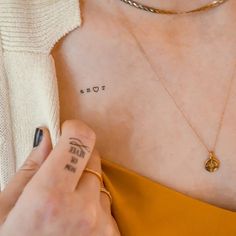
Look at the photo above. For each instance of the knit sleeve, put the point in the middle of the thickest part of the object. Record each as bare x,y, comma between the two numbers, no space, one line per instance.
36,25
29,97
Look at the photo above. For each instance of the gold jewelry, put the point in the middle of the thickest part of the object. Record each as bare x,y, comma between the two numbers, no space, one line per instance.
212,163
208,6
97,174
103,190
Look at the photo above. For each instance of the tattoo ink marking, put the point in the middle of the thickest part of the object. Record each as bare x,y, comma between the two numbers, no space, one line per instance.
70,168
77,152
94,89
77,148
78,142
74,160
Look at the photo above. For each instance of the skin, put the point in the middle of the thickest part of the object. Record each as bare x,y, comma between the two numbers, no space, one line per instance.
47,198
35,202
136,122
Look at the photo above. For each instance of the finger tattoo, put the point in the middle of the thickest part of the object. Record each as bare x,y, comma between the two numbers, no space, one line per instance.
78,149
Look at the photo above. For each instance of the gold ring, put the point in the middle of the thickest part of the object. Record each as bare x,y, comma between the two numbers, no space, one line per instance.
103,190
97,174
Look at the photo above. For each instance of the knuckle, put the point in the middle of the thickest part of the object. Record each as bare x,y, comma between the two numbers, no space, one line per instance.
76,127
51,204
109,230
110,227
88,218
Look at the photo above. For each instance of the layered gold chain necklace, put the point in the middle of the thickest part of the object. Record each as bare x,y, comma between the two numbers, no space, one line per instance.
163,11
212,163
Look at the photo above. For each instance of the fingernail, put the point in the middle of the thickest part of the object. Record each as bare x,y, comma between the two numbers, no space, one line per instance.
38,135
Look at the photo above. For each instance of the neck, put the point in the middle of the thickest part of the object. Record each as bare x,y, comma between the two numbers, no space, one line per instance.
178,5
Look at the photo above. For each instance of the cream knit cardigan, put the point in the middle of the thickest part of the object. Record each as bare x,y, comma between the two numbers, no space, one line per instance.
28,84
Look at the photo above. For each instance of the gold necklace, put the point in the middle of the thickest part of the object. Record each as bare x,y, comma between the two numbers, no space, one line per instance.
212,163
208,6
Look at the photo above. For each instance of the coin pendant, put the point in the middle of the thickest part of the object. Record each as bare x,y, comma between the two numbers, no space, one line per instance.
212,163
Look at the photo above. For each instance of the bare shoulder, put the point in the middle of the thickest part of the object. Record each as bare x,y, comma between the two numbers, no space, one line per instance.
96,19
98,33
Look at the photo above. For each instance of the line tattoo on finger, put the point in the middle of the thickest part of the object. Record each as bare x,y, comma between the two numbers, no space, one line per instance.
74,160
78,149
70,167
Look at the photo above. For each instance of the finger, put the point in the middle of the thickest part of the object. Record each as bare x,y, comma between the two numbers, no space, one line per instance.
65,163
89,184
105,200
13,190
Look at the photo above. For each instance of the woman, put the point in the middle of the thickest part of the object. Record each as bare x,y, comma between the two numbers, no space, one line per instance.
159,93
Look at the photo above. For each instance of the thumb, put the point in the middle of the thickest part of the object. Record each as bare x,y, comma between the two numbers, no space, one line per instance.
42,146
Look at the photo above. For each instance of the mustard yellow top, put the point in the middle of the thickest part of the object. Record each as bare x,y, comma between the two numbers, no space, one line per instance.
143,207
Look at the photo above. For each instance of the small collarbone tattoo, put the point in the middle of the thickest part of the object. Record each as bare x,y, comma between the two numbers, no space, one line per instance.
78,150
94,89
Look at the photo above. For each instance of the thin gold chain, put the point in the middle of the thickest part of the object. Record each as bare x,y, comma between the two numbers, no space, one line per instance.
159,78
208,6
224,109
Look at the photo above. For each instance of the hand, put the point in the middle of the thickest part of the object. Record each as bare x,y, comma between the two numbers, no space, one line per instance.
51,195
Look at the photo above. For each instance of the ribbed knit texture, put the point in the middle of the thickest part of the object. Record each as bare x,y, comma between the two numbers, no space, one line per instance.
7,160
28,85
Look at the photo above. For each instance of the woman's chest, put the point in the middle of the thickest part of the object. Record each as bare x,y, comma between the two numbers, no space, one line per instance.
157,129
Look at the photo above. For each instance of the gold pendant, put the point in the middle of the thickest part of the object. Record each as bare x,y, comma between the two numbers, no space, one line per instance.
212,163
